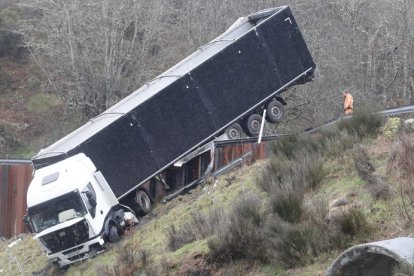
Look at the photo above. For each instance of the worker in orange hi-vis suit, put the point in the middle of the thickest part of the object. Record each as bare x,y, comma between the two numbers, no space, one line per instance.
348,103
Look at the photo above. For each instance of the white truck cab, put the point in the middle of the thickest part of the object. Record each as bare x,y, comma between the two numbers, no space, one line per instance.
73,211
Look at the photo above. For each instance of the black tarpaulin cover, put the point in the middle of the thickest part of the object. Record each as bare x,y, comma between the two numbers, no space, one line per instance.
209,90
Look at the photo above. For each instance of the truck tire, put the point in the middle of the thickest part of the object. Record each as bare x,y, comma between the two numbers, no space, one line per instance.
143,201
253,125
234,131
63,267
275,111
113,234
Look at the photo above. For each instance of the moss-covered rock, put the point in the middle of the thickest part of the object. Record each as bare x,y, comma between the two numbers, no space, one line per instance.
391,127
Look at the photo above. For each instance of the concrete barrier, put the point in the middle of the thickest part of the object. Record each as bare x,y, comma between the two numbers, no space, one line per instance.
376,258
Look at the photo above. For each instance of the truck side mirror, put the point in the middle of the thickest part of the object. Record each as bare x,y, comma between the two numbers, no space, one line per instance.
26,220
91,198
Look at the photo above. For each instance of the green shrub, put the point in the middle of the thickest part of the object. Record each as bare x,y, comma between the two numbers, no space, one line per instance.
400,165
288,146
391,127
200,226
335,144
179,238
129,259
274,172
130,256
299,244
287,203
8,139
8,18
296,244
242,237
354,223
286,180
9,41
364,122
42,103
313,169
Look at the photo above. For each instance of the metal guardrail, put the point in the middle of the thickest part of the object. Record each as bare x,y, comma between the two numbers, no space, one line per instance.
15,161
383,113
397,111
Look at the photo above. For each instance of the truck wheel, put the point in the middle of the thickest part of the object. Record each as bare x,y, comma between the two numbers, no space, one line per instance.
113,234
275,111
143,201
253,124
63,267
234,131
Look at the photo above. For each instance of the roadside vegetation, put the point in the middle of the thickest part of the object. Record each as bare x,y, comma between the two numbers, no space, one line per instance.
283,226
292,214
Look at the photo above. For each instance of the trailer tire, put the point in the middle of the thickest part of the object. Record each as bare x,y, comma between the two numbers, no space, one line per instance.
234,131
143,201
253,125
113,234
275,112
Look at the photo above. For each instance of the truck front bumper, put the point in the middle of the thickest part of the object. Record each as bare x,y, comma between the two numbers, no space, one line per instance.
78,253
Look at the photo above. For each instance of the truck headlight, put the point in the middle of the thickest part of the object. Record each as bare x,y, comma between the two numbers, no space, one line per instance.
54,260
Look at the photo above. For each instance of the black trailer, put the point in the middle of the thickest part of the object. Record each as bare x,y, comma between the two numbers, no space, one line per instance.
193,102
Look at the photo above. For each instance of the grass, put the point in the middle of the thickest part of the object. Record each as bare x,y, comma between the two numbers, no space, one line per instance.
300,242
400,166
404,270
295,237
153,236
27,254
241,235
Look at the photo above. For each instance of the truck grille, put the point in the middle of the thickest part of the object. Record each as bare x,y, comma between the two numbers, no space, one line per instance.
67,237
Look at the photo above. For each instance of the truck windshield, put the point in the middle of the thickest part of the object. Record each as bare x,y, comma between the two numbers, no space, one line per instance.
57,210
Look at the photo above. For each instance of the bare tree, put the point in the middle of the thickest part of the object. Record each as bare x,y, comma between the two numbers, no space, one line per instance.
93,52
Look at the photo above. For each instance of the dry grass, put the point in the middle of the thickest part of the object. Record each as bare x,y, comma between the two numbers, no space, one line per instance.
287,203
366,170
363,122
401,166
353,223
404,270
130,258
242,237
259,237
200,226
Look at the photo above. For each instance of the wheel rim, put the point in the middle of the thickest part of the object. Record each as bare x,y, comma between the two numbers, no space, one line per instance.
276,112
255,125
234,133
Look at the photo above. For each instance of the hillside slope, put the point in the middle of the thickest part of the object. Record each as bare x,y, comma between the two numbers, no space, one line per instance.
181,236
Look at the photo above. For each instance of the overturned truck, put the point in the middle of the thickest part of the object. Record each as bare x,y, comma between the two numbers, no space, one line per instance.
91,183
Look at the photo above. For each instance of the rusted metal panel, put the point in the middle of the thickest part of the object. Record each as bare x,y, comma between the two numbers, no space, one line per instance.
226,155
4,193
14,181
